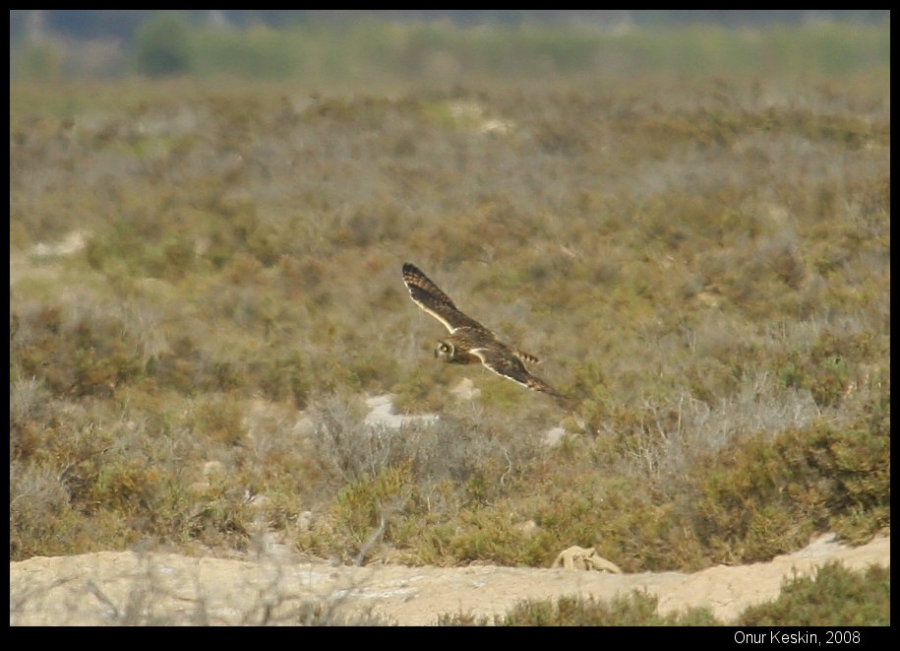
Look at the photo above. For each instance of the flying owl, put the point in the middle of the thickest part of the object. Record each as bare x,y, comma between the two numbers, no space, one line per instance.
469,341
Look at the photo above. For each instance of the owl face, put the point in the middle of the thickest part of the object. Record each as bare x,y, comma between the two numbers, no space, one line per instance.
445,350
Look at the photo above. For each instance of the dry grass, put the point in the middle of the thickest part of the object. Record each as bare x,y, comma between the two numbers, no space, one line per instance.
705,266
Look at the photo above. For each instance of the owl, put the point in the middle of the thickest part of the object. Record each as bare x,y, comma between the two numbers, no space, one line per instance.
469,341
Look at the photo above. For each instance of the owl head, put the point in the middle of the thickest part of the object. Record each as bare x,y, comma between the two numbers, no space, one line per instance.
445,350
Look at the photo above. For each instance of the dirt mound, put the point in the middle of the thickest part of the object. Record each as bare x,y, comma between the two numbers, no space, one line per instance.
124,587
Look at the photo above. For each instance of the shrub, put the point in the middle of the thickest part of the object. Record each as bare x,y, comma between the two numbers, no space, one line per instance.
635,609
833,596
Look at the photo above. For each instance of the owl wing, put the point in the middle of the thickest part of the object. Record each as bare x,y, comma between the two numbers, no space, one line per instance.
505,364
430,298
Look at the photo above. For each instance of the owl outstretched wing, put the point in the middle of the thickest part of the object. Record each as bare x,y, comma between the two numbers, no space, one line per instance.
430,298
505,364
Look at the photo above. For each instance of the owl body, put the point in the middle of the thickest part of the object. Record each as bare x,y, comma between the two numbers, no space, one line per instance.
469,341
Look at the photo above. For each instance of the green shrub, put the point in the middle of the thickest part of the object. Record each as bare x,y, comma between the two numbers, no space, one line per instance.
833,596
635,609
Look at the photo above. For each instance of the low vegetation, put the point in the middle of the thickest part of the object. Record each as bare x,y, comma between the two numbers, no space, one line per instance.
833,594
205,286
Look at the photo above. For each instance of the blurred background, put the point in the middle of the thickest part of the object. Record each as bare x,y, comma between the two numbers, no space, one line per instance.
446,46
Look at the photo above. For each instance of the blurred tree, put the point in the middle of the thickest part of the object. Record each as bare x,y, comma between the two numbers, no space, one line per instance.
163,46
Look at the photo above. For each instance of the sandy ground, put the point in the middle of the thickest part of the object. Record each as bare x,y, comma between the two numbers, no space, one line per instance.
124,587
